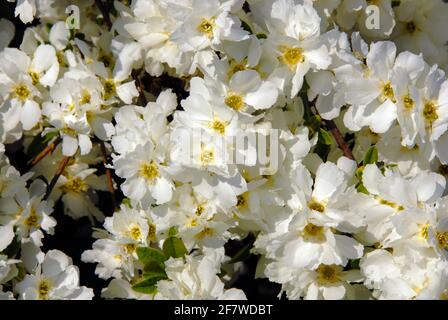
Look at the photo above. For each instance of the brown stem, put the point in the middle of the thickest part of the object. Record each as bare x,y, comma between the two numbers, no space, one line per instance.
336,133
49,149
110,182
62,165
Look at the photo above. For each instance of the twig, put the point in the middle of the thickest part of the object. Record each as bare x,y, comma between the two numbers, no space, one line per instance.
49,149
336,133
110,182
62,165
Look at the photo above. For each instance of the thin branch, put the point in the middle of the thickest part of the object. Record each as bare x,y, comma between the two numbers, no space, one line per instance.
110,182
336,133
62,165
49,149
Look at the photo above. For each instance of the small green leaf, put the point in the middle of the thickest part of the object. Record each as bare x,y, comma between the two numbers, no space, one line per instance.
174,247
362,189
325,137
148,284
371,156
146,255
172,232
261,36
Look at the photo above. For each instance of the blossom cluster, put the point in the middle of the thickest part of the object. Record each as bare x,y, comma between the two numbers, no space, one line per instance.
351,201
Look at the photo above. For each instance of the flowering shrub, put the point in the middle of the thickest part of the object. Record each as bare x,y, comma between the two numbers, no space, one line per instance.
194,136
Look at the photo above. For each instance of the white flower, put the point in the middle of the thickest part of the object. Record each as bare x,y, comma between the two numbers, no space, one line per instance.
196,279
55,279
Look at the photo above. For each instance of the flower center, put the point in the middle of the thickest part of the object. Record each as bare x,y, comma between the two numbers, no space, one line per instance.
442,239
234,101
430,112
44,289
35,77
327,274
241,201
109,88
129,248
315,205
313,233
75,185
32,220
206,26
149,171
207,156
85,97
21,91
388,93
206,232
409,103
218,126
135,232
292,56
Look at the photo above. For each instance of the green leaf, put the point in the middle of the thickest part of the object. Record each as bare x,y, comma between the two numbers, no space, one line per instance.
174,247
362,189
325,137
153,267
172,232
371,156
40,142
261,36
149,282
146,255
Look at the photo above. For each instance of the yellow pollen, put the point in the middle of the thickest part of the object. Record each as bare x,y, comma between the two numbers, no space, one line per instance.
442,239
75,185
44,290
21,91
32,221
135,232
315,205
206,232
207,157
129,248
85,98
199,210
292,56
388,93
409,103
35,77
69,131
149,171
313,233
234,101
423,233
206,26
218,126
430,112
241,201
327,274
109,89
391,204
